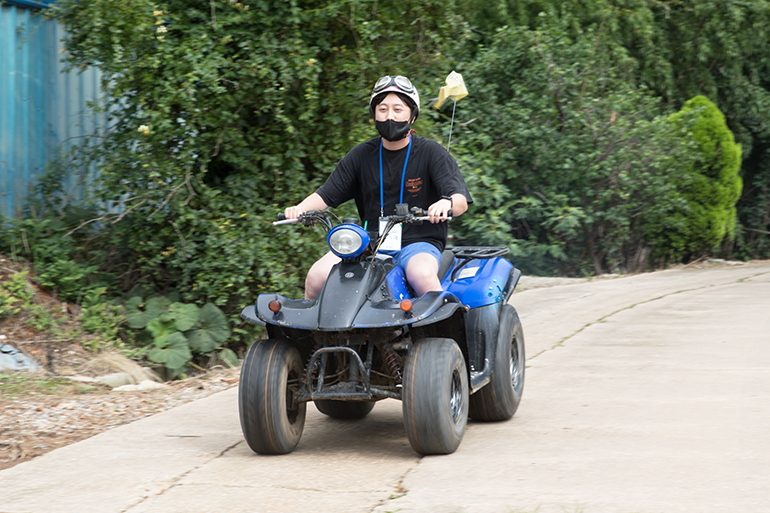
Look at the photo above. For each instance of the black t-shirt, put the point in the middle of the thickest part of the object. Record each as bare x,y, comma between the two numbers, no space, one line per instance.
431,172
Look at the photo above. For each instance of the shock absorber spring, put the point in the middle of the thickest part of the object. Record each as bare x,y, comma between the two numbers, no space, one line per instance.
393,363
316,347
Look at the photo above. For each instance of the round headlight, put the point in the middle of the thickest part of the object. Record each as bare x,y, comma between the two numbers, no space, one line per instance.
345,242
348,241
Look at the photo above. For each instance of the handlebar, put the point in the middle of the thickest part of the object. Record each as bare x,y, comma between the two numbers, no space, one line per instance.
414,219
311,216
282,220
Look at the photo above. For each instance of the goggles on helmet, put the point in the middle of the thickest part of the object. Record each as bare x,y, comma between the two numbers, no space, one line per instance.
397,84
401,82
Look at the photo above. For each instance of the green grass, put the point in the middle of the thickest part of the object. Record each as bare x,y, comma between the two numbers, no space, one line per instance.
14,385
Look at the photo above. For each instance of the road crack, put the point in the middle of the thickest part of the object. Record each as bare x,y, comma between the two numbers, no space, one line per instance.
174,482
399,491
602,319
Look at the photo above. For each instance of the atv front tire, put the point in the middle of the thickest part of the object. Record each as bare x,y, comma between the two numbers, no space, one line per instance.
271,419
499,399
435,396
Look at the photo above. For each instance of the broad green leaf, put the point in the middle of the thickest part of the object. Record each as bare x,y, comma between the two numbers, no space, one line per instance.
175,355
212,331
184,316
139,313
135,317
144,337
215,322
161,330
201,341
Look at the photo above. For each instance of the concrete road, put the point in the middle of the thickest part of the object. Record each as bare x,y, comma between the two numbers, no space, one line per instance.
648,393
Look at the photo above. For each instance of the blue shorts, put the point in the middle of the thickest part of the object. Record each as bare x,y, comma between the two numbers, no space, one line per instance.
402,257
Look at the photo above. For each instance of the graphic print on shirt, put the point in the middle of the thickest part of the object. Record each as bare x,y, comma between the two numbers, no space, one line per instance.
413,186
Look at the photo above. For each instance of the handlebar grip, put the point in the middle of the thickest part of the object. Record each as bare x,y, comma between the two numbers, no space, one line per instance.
281,216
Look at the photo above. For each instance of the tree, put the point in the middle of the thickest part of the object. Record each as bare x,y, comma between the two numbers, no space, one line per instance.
680,49
707,181
224,113
578,152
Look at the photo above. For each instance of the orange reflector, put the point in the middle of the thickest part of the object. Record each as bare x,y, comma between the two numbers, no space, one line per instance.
406,305
274,306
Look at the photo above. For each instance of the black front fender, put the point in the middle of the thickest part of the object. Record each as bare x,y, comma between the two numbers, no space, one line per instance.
430,308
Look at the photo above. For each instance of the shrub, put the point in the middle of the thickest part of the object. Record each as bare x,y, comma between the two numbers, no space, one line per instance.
708,182
177,330
62,264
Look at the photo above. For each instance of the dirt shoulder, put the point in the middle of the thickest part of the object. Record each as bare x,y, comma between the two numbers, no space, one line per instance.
61,401
41,413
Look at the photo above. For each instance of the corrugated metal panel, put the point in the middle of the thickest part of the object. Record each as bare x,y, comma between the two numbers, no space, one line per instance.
30,3
42,109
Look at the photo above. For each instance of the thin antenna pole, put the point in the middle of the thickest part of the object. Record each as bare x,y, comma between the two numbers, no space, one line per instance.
451,125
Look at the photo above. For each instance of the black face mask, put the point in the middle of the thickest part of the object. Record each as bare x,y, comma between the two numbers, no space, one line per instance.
391,130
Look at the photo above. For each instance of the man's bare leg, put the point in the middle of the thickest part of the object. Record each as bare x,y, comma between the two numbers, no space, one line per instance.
422,273
316,276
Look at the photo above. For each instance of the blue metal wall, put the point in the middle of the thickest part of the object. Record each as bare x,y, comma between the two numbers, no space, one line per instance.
30,3
42,109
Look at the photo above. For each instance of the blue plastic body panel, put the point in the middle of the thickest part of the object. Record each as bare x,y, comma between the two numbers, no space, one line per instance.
397,286
480,282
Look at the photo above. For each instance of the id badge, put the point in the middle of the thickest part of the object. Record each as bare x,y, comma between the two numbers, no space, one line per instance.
393,241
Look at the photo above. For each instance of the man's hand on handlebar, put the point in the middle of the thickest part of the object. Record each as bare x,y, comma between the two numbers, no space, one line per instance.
293,212
440,210
312,202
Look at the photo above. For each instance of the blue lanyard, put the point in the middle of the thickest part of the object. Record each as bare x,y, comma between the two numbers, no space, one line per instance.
403,177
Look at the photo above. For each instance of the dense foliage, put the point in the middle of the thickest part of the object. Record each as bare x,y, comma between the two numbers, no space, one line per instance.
223,113
583,155
677,50
577,142
592,173
709,183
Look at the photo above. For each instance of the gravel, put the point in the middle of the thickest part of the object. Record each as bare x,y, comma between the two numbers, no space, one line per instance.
34,424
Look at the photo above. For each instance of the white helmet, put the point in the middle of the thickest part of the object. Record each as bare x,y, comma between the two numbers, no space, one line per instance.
395,84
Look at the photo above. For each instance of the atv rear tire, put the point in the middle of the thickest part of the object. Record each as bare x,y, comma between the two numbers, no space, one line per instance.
347,410
499,399
271,419
435,396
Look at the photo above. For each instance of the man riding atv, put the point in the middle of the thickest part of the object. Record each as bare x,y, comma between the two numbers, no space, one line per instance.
397,167
389,312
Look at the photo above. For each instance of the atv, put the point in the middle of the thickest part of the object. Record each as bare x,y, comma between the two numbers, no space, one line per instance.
446,356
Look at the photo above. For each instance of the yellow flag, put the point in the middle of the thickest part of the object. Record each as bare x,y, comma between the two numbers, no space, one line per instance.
454,88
